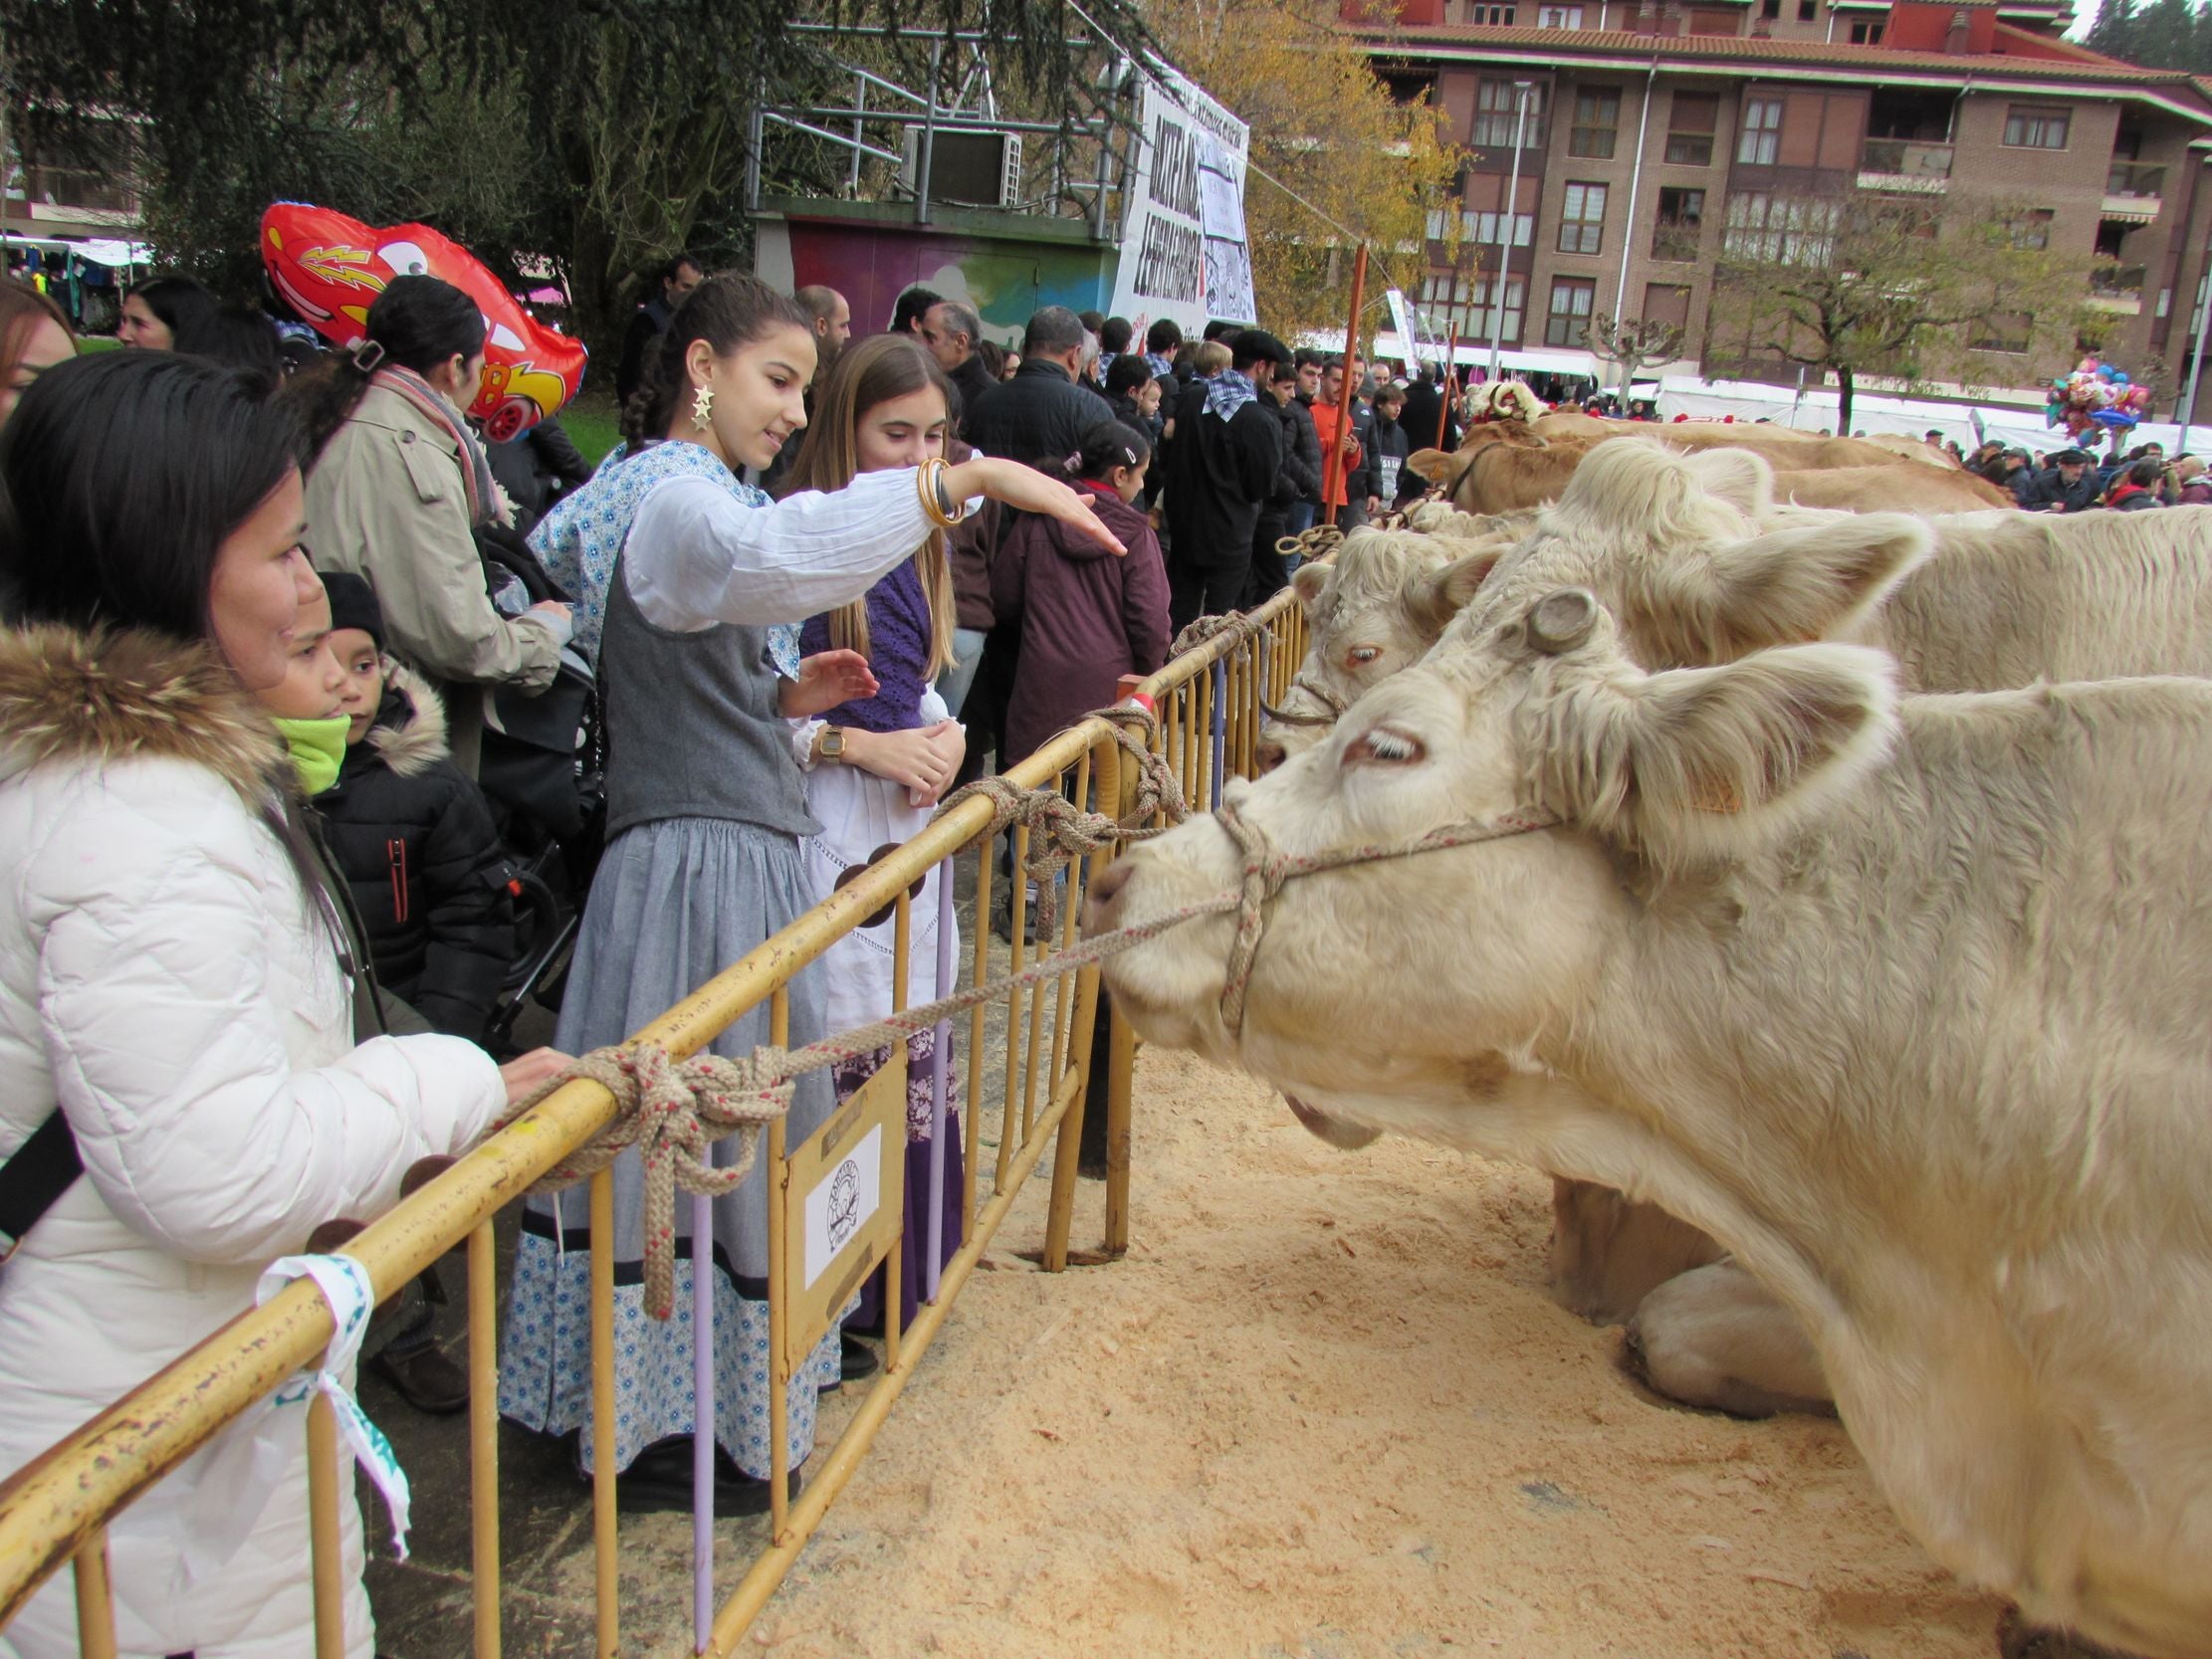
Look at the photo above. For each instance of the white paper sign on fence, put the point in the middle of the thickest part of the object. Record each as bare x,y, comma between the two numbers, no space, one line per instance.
837,1208
1184,253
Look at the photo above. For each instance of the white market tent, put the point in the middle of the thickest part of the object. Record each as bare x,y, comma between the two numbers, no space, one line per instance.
1812,410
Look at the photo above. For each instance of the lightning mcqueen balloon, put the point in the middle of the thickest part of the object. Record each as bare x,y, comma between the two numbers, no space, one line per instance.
329,269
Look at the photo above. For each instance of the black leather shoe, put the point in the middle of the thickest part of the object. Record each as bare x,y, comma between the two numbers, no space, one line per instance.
855,1359
659,1481
425,1379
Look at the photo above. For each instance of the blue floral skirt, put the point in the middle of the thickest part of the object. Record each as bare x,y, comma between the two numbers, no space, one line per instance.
674,904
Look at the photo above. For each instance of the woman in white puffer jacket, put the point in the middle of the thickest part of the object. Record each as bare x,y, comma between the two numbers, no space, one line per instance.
173,979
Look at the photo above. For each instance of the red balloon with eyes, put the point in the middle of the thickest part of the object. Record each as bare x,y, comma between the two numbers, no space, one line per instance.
329,269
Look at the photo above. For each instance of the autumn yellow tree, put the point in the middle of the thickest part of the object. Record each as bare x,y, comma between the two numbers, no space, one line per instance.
1323,128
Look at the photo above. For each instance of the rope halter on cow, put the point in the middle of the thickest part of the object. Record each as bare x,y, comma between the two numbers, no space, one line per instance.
1328,700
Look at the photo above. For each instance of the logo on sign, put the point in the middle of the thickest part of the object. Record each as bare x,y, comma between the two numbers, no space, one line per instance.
844,1204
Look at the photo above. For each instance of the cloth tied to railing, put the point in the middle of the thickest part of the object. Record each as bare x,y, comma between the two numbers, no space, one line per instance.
344,1285
672,1110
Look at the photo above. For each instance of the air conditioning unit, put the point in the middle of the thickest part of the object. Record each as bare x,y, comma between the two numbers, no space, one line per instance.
967,167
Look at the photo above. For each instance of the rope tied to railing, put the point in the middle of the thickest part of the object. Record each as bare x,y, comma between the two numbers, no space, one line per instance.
1063,831
672,1110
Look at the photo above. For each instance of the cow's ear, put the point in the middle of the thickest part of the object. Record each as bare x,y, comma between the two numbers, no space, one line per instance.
1695,763
1435,598
1738,477
1443,472
1786,587
1308,581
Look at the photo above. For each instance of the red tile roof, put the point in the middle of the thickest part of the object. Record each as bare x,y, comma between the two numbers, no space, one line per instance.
1687,50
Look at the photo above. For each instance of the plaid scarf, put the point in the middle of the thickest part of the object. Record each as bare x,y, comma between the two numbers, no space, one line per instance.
1228,392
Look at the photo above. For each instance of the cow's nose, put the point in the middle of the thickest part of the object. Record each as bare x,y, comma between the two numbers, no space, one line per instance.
1269,754
1105,888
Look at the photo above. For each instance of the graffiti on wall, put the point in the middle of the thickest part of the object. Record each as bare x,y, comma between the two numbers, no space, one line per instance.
873,264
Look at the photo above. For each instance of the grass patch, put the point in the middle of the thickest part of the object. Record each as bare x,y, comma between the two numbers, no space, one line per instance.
594,424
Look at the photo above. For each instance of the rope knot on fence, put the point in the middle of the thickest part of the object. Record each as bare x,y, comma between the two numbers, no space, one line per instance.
672,1110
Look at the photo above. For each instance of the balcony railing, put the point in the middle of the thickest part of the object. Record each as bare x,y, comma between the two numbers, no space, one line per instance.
2118,288
2135,178
1906,158
1674,241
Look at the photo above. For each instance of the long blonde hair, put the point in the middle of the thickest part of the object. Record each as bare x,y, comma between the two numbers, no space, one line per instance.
867,373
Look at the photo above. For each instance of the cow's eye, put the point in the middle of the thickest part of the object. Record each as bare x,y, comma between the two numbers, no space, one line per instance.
1360,655
1387,748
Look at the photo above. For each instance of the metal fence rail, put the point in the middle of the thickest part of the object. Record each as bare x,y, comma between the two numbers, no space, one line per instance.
58,1508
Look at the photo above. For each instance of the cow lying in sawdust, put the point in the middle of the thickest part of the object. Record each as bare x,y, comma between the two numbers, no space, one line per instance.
1856,985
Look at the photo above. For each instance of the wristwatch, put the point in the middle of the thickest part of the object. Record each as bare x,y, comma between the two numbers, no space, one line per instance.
833,744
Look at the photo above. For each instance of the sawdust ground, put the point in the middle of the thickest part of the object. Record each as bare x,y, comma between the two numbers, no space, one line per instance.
1325,1409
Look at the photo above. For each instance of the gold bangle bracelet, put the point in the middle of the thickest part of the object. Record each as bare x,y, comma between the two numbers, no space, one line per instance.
936,506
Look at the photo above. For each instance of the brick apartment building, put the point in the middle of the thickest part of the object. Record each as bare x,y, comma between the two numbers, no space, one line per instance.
1653,131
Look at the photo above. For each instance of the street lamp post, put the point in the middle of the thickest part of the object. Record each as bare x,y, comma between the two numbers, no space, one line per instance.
1521,90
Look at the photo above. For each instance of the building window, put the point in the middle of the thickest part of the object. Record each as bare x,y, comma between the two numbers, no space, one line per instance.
1808,11
1791,230
1486,227
1681,215
1497,116
1771,10
1761,137
2032,229
2031,129
1571,299
1497,15
1596,114
1559,17
1689,128
2002,331
1866,34
1582,219
1483,322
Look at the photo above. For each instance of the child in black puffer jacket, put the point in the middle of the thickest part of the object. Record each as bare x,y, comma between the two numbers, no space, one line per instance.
412,835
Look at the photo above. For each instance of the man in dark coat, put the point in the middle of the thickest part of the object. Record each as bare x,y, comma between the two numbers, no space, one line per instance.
951,331
1229,462
2068,486
1041,413
1425,406
1299,475
677,278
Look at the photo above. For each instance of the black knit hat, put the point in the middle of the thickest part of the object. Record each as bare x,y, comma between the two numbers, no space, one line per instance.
354,604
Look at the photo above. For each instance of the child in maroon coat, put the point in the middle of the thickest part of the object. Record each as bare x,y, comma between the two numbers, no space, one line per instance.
1085,620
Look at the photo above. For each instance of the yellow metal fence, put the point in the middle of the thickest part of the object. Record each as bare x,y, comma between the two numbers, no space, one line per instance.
57,1510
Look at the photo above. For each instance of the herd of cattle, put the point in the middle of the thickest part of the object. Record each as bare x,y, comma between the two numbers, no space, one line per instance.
1858,998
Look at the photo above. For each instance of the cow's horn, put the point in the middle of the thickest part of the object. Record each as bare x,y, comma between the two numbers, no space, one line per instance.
1563,620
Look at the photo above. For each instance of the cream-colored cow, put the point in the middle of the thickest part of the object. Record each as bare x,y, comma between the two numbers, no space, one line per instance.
1904,1004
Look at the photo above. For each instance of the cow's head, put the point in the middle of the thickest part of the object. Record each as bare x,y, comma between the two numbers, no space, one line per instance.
1694,561
1373,610
1440,978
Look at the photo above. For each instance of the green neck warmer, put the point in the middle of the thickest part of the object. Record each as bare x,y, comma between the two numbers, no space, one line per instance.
318,750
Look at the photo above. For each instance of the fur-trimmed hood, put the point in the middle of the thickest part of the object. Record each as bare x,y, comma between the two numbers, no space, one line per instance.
409,734
122,694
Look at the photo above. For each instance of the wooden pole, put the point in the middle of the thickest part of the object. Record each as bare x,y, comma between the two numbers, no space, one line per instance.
1449,378
1332,464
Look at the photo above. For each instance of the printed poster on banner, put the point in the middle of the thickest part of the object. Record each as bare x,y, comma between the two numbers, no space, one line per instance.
1420,342
1184,251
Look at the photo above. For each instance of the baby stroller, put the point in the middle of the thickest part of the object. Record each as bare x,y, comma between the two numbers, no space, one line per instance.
542,769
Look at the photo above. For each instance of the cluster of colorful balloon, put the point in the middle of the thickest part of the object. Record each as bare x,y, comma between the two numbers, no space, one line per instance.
2095,395
329,270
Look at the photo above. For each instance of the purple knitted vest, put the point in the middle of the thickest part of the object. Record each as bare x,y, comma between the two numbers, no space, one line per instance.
898,652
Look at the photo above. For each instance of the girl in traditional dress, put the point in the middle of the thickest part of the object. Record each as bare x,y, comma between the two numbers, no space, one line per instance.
699,666
876,766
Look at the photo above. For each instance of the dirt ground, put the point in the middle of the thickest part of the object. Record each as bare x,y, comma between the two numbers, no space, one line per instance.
1324,1409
